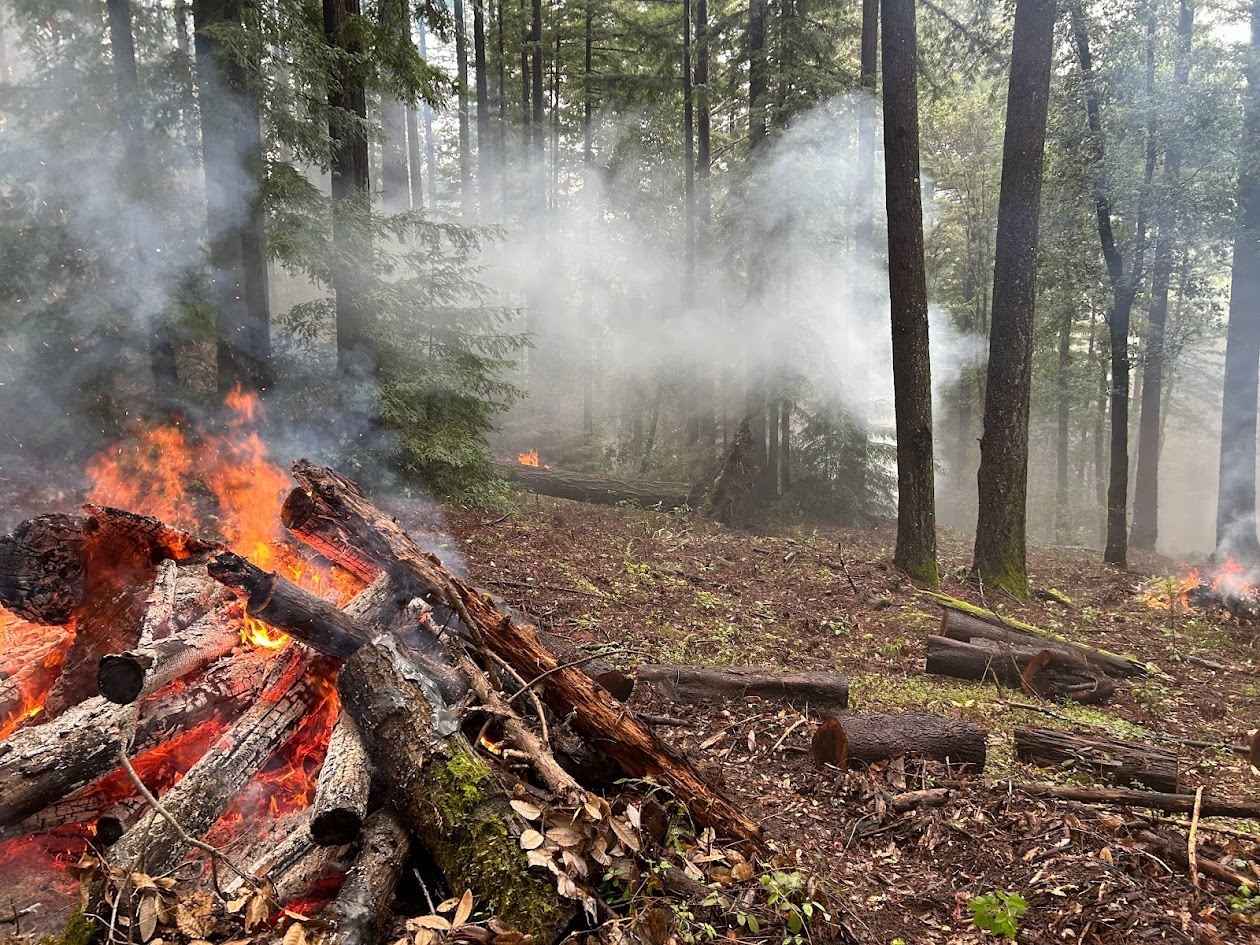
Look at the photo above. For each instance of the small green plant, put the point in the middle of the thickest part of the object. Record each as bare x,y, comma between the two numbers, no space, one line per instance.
787,895
707,601
893,650
998,912
1246,901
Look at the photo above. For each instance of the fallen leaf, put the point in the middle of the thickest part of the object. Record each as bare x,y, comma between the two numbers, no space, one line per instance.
436,922
527,810
465,908
531,840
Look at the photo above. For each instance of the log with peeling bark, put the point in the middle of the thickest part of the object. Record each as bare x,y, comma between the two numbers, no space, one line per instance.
569,692
1049,674
345,779
42,764
1123,763
822,693
885,736
48,562
974,623
291,867
358,913
599,490
155,845
444,791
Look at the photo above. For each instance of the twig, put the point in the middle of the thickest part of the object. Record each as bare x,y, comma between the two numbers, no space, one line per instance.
538,706
555,669
497,521
1252,836
560,589
667,721
792,728
1192,843
845,568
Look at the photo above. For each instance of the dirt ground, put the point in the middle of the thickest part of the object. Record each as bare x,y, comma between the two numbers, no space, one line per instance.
654,587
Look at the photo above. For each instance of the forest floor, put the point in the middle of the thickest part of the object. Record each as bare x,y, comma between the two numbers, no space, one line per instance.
654,587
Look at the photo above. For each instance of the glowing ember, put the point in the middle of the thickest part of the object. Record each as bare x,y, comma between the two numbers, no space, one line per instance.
528,459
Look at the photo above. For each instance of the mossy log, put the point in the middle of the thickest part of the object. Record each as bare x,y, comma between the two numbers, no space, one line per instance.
1042,672
570,693
963,621
821,693
1123,763
445,793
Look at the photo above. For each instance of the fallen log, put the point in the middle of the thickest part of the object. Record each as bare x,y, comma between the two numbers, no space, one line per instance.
600,490
341,796
42,764
822,693
445,793
1150,800
869,739
572,695
1123,763
1050,674
358,912
155,845
1166,849
963,621
291,867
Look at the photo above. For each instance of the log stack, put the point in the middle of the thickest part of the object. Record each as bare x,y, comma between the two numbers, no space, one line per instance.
443,724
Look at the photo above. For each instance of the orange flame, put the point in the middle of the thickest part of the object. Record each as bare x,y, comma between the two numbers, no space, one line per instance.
1172,594
528,459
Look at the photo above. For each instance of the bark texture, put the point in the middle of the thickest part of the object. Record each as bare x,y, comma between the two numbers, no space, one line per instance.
1034,669
885,736
359,911
821,693
600,490
1123,763
1001,528
341,797
907,285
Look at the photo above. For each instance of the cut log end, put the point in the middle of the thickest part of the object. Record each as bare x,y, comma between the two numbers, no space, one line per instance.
336,828
120,677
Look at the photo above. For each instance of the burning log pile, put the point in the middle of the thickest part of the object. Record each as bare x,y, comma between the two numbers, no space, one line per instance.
172,695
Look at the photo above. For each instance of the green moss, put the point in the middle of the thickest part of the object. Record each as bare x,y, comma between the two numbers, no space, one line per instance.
79,930
482,854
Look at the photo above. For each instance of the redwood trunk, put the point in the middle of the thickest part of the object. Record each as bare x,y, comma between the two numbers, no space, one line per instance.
1036,670
821,693
883,737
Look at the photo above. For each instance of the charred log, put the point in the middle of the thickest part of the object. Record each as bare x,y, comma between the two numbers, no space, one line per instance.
1123,763
125,677
869,739
822,693
358,912
155,845
446,794
1048,674
599,490
41,765
572,695
341,796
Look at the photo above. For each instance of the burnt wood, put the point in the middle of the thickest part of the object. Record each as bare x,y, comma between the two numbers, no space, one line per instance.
444,791
345,779
1041,672
569,692
359,911
1120,762
42,764
823,693
153,845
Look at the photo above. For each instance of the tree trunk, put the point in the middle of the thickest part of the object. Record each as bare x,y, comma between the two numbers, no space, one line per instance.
231,157
958,625
1143,800
394,174
430,149
1146,489
1123,763
538,119
821,693
1063,432
347,97
702,105
125,677
912,373
1001,528
415,177
600,490
757,66
465,153
588,274
1236,492
691,422
871,739
485,151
